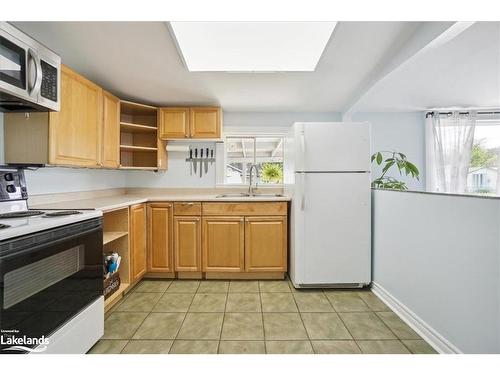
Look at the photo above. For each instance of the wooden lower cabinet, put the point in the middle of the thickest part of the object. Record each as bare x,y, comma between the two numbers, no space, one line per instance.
266,244
223,244
137,233
160,237
187,243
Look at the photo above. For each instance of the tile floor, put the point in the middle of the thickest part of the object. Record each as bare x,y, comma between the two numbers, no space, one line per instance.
186,316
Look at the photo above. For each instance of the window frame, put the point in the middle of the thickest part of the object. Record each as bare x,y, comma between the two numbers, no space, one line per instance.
221,165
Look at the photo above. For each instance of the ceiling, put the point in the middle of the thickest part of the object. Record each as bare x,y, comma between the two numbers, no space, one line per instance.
139,61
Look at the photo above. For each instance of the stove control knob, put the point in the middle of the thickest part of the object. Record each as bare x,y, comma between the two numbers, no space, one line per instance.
8,177
11,189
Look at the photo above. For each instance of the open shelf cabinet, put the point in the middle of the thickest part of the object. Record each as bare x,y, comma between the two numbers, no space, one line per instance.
140,147
116,238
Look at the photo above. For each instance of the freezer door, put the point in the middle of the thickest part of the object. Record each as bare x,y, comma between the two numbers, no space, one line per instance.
335,232
332,146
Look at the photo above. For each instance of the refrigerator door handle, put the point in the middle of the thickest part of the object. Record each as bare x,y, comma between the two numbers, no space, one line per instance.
303,193
303,148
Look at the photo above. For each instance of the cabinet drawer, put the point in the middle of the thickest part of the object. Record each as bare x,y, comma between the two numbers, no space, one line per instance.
245,208
187,208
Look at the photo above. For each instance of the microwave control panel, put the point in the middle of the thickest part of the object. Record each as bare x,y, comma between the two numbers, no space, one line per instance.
49,82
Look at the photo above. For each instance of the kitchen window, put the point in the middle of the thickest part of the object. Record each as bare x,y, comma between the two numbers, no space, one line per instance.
265,151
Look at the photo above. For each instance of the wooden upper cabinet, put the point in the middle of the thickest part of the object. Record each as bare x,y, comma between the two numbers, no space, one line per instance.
174,122
110,156
137,233
223,244
266,243
187,243
75,131
205,122
160,237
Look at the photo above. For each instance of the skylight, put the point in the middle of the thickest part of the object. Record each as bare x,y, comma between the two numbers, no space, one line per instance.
252,46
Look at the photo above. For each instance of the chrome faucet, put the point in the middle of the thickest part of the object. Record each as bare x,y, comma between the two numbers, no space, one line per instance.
251,191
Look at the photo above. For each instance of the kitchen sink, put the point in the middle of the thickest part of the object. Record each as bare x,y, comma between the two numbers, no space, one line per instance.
246,195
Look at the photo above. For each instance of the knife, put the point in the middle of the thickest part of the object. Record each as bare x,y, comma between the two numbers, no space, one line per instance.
191,161
195,159
206,162
201,162
211,156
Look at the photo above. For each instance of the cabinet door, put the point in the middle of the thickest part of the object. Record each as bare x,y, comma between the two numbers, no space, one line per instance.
266,243
174,122
110,131
75,131
187,243
223,244
160,239
205,122
137,233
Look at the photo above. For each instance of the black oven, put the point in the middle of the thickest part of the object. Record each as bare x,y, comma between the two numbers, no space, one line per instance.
48,277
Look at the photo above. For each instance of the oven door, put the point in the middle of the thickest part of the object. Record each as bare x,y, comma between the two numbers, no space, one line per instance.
46,279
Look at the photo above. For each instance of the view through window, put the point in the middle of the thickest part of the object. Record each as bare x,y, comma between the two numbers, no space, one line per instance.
263,151
482,176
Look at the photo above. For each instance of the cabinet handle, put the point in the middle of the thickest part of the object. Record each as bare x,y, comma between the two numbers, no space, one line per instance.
188,204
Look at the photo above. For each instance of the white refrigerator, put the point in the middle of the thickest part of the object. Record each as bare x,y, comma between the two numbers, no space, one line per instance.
327,174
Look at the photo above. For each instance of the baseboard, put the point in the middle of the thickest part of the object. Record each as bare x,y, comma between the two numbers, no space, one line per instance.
429,334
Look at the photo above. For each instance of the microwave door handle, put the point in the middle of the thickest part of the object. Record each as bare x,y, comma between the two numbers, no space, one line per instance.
35,87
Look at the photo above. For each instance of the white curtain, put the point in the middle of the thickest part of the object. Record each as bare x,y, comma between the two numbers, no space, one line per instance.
449,147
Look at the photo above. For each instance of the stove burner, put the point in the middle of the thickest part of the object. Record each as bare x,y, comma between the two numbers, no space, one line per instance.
3,226
61,213
16,214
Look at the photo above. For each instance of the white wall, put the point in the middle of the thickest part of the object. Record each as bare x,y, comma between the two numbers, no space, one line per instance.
439,256
399,131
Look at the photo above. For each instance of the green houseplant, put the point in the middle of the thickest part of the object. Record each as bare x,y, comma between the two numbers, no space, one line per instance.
272,173
393,160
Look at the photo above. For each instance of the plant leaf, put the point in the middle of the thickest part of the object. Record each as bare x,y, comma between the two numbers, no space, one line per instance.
379,158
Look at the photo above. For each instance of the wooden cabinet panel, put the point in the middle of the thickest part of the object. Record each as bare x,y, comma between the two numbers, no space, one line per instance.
205,122
75,131
187,243
266,244
110,156
187,208
160,237
244,208
174,122
223,244
137,233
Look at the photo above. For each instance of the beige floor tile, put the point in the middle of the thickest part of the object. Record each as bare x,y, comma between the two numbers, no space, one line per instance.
139,302
325,326
147,347
243,302
382,347
366,326
108,347
194,347
278,302
397,326
419,347
335,347
312,302
274,286
160,326
201,326
244,286
347,302
213,286
242,347
284,326
174,302
152,286
373,302
242,326
122,325
183,286
289,347
208,303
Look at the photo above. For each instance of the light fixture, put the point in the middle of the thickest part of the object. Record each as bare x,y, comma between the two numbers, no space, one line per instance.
252,46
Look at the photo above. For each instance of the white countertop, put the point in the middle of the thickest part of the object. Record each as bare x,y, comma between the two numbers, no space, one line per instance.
118,201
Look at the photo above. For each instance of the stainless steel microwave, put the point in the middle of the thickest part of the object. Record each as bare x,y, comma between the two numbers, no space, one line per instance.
30,73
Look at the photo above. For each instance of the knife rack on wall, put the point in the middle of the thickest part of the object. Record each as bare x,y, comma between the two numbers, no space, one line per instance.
200,159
